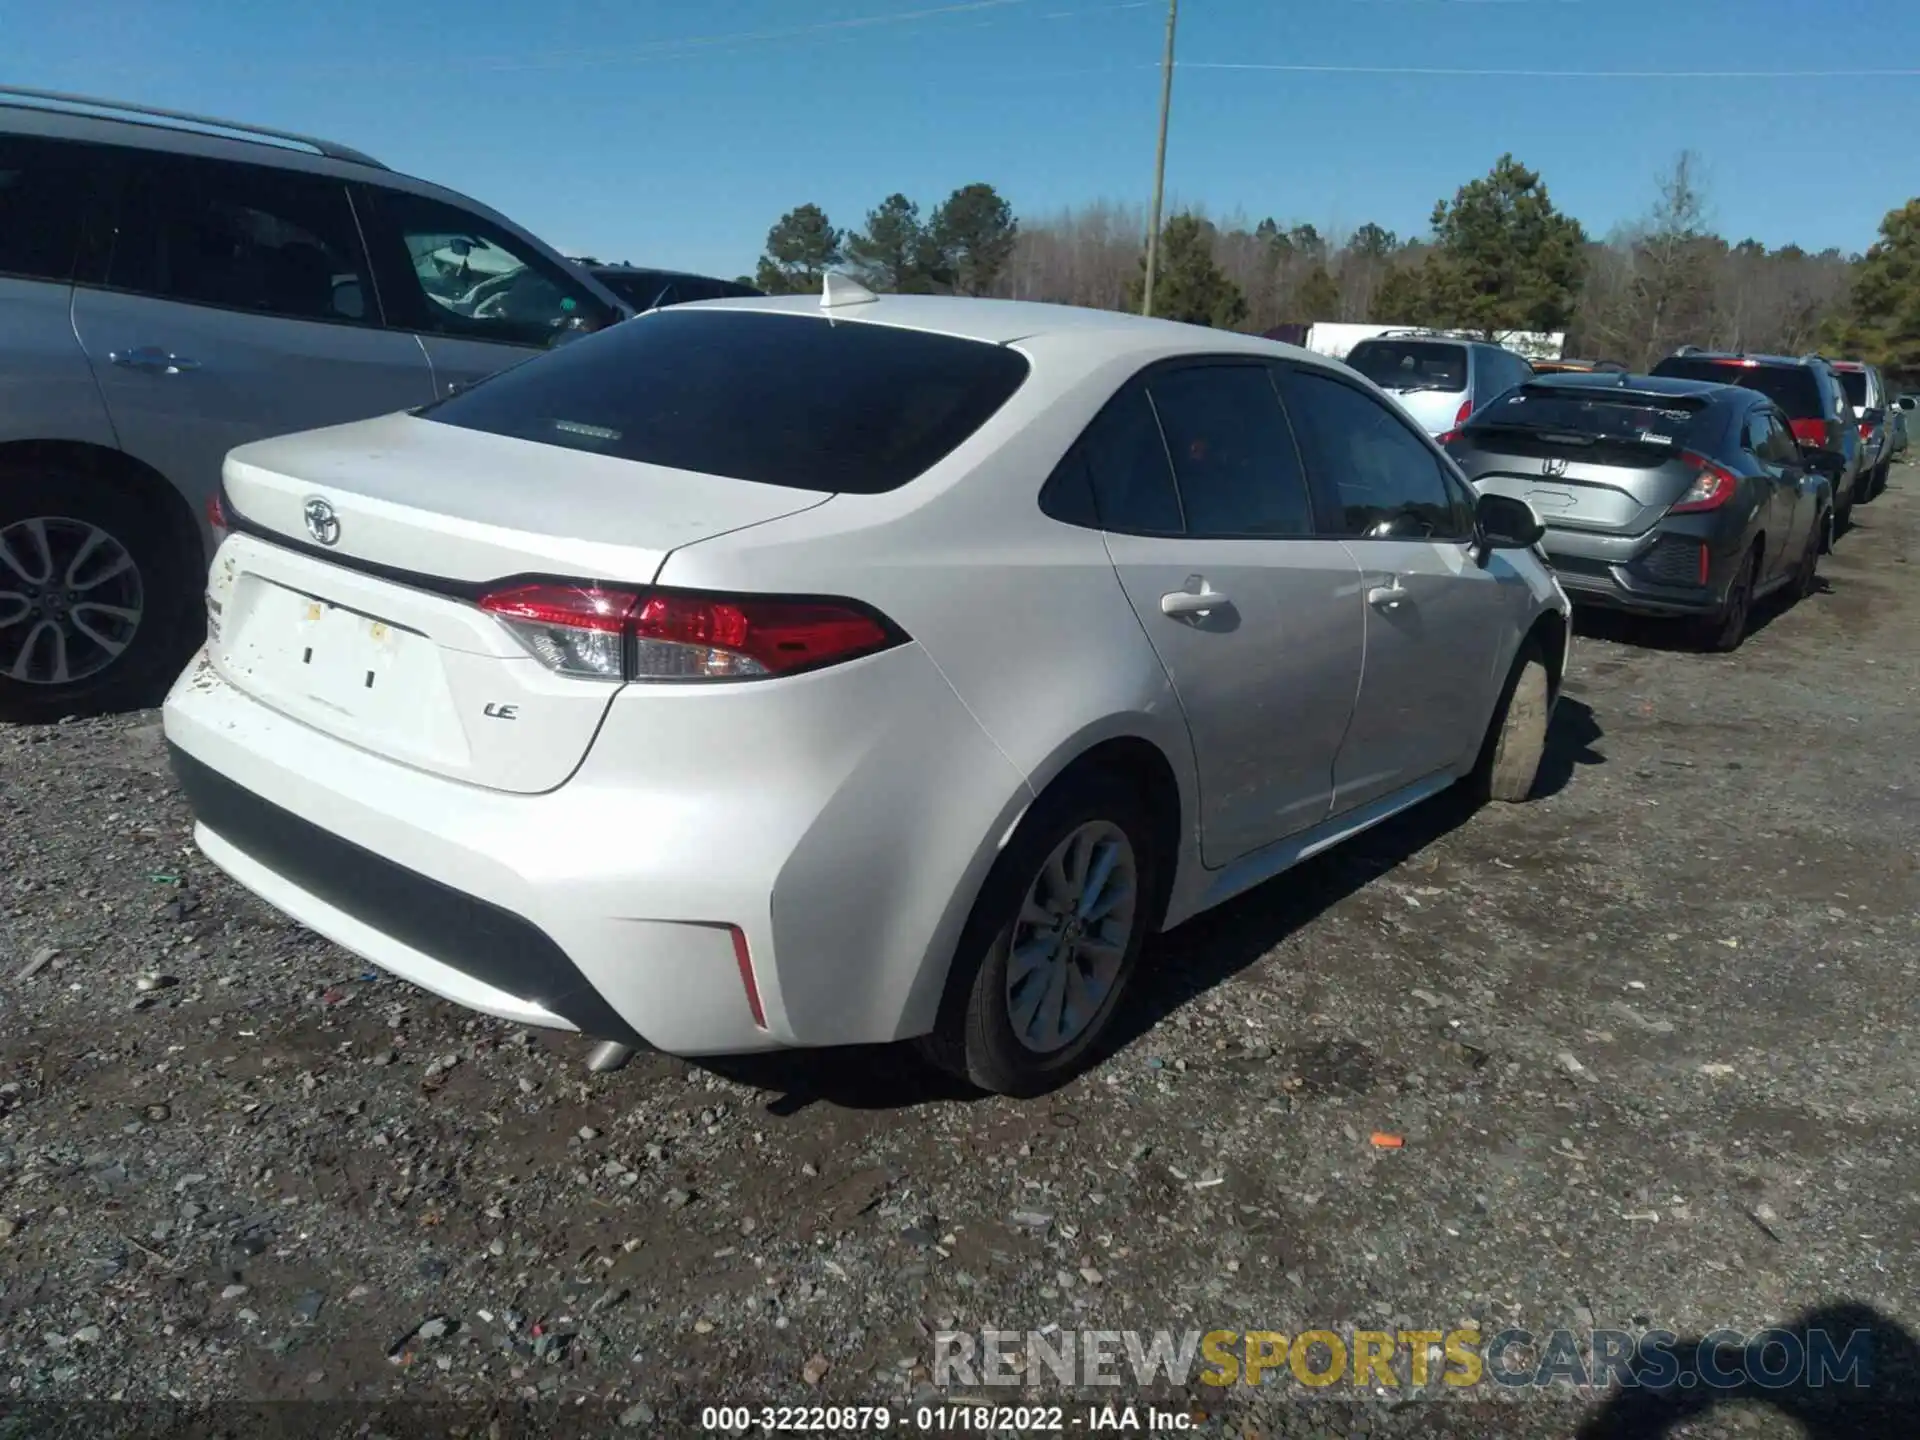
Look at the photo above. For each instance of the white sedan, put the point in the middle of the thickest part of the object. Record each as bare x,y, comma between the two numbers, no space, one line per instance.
811,671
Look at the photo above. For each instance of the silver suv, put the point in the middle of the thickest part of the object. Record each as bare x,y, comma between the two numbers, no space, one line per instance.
173,286
1439,379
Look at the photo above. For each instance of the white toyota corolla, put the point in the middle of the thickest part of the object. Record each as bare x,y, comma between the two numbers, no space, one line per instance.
807,671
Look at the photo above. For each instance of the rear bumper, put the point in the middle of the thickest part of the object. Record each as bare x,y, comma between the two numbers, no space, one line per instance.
1655,573
842,831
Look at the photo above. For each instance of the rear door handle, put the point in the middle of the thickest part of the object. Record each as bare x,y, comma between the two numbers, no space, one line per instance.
1182,603
153,360
1386,597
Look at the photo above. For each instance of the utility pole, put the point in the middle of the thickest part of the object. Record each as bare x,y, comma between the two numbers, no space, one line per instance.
1160,162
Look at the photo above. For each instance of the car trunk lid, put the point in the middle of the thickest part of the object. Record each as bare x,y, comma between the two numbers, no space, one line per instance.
348,596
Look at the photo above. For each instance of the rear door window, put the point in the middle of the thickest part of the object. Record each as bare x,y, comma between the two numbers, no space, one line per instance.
1854,382
242,237
1411,365
1233,455
44,189
780,399
1388,481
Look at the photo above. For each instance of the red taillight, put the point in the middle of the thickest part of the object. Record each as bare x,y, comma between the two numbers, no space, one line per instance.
703,637
573,629
1447,439
614,634
1466,409
1712,487
745,962
216,518
1866,430
1810,432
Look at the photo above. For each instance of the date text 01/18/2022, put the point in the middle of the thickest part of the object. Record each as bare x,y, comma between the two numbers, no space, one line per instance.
938,1419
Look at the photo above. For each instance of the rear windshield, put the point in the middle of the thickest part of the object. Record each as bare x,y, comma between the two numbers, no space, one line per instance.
782,399
1854,382
1547,413
1791,387
1408,365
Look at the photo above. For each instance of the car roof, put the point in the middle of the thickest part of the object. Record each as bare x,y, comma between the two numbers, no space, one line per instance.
1002,322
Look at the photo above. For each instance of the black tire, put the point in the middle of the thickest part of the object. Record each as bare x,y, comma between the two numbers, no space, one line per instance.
1880,478
1806,580
1516,739
975,1038
1723,631
163,586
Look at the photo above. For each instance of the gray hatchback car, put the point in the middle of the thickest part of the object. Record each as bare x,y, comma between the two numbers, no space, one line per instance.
171,287
1666,497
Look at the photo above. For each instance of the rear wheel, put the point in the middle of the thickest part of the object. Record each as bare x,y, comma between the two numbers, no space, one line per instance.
1724,630
1880,477
1052,940
1516,740
93,598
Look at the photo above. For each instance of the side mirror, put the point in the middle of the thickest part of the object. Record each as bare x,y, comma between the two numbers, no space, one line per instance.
1506,523
1830,463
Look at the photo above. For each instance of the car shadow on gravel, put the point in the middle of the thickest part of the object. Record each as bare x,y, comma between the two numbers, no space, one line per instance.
1178,966
1646,632
1879,1400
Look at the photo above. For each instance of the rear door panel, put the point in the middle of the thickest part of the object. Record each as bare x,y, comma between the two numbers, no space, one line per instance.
237,305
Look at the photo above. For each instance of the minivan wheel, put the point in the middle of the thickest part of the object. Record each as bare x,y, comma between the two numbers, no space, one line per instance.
91,597
1051,942
1516,739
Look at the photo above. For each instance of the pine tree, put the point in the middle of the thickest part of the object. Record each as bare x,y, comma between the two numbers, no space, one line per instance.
973,234
1505,259
1188,284
801,248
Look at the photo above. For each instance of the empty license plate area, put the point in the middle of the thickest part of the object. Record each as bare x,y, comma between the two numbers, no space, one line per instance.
342,670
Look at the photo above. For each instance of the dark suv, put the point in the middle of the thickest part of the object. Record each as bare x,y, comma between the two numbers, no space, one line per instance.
1662,496
1810,392
652,289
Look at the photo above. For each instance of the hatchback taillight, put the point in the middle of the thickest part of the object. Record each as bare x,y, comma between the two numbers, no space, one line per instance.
216,518
616,634
1713,485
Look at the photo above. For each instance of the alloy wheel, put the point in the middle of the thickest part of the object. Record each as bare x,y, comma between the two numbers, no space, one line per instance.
71,600
1067,946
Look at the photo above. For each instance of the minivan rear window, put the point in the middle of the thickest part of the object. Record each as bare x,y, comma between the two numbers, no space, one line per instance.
1410,365
1791,387
1854,382
1585,416
805,401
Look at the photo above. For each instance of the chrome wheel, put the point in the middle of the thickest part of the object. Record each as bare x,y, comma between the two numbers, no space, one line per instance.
70,600
1070,940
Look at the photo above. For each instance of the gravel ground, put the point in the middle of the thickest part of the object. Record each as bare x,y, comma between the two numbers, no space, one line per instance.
1647,1042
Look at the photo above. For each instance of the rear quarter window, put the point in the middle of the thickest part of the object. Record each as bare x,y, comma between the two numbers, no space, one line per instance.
848,407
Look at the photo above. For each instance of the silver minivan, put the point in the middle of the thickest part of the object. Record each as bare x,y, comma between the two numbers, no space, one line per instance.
1439,379
173,286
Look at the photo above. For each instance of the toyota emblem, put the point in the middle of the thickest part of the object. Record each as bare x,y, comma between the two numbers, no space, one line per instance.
322,524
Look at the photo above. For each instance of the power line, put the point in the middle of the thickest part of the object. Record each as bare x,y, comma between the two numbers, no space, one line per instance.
1447,72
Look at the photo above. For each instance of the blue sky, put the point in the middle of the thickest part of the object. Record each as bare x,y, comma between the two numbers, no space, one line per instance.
676,133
